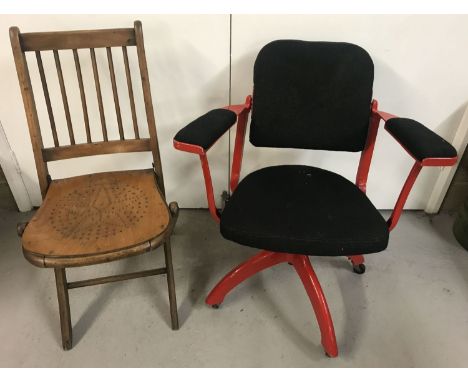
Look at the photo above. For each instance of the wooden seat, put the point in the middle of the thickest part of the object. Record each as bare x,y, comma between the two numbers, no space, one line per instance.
85,217
99,217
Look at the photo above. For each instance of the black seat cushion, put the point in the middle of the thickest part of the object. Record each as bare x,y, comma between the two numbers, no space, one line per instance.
207,129
420,141
303,210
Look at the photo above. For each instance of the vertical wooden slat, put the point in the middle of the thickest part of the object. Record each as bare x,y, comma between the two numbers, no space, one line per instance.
82,93
130,92
47,98
149,105
64,97
114,90
30,108
99,94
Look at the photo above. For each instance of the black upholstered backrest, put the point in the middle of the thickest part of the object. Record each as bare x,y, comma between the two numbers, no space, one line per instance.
312,95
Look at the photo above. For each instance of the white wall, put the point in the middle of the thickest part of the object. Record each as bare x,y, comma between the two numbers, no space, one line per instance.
188,59
420,72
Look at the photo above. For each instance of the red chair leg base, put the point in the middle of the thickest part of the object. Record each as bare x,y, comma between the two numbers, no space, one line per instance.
301,263
331,350
257,263
312,286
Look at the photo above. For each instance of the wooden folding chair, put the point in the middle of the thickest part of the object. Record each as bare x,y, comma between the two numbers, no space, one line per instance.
100,217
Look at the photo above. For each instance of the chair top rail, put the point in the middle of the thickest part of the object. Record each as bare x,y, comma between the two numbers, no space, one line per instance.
81,39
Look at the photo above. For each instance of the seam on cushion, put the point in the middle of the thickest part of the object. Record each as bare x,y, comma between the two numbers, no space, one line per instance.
303,240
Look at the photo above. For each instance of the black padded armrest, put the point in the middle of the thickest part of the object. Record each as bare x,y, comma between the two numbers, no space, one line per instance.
421,142
207,129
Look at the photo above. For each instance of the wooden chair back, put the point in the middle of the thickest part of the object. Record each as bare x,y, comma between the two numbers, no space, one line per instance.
84,42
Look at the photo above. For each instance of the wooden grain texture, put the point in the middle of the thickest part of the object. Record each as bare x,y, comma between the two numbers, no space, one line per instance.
148,104
45,89
63,91
29,108
97,213
96,148
98,94
171,284
96,218
78,39
84,106
121,277
115,92
130,92
64,308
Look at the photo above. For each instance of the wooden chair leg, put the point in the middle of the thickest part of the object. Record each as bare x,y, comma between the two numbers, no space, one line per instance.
64,307
171,284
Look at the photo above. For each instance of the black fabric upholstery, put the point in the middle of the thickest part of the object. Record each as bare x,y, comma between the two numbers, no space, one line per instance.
207,129
312,95
303,210
421,142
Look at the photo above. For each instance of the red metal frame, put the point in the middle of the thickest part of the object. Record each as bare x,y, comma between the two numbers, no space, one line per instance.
242,111
265,259
209,187
397,210
413,174
366,155
243,116
365,162
301,263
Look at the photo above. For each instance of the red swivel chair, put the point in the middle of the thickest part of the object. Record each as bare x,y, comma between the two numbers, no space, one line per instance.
308,95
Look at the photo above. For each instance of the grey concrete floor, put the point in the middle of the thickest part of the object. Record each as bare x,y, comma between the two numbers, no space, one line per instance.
409,309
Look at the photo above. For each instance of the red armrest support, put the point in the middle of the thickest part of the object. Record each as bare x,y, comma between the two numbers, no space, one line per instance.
409,133
191,141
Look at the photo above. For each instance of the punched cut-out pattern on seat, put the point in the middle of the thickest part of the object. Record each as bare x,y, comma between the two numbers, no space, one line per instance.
105,207
97,213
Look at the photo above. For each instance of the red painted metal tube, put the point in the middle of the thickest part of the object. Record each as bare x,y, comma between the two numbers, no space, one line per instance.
397,210
265,259
356,259
366,155
384,116
365,162
187,147
312,286
242,112
243,116
262,260
209,188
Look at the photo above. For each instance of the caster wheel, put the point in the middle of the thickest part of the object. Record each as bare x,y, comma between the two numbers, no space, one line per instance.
359,269
215,306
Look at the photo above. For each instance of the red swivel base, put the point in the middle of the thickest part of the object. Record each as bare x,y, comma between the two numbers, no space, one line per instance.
303,267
